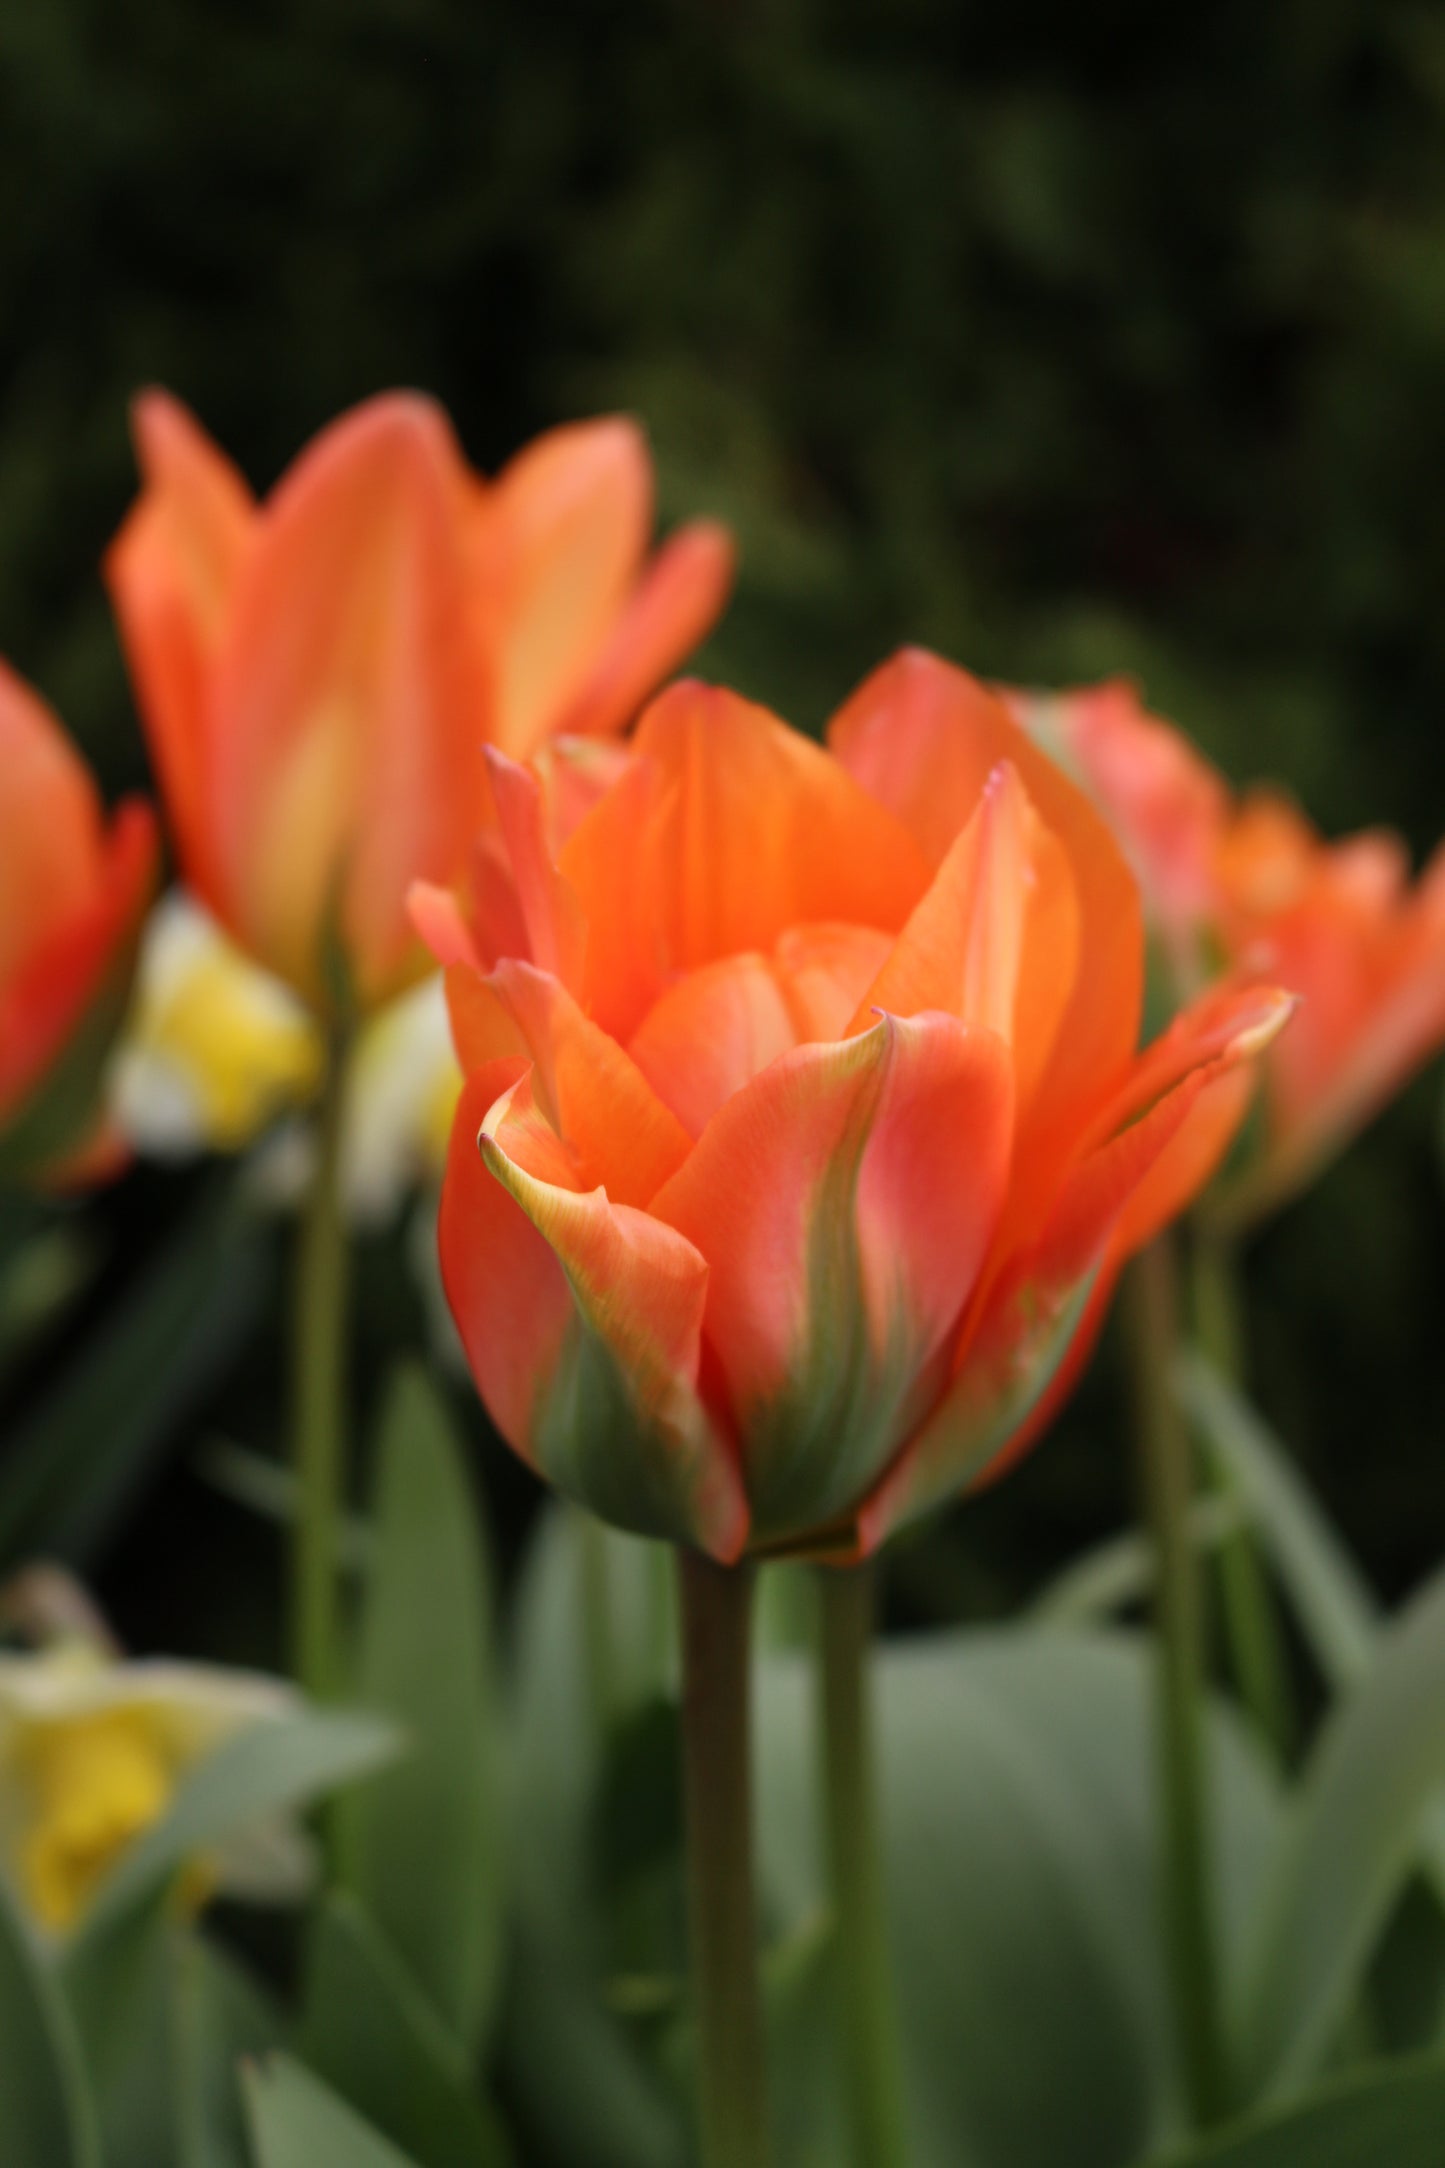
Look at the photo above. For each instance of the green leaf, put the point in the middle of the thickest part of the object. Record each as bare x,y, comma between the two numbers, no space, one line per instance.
1346,1852
1331,1598
1333,1602
296,2122
1117,1573
1016,1772
276,1767
585,2091
220,2016
73,1464
596,1649
46,2116
369,2032
1392,2117
119,1992
424,1843
596,1642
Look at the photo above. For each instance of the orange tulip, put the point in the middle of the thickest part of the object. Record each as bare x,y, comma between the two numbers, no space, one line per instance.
318,674
72,894
1343,927
804,1131
1250,885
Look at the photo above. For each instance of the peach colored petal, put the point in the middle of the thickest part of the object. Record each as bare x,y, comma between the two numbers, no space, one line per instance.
561,537
710,1034
593,1094
50,824
844,1201
962,948
728,830
1034,1325
582,1321
922,737
551,920
171,572
824,971
347,756
45,1001
674,606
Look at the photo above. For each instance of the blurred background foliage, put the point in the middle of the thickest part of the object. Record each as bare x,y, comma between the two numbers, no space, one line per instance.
1068,341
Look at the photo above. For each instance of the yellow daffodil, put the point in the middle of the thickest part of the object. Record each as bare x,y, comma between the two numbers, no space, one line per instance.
218,1052
92,1752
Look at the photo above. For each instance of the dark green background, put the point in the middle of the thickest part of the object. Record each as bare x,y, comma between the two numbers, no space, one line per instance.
1067,340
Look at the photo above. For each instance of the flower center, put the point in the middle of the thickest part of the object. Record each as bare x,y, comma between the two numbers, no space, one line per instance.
98,1783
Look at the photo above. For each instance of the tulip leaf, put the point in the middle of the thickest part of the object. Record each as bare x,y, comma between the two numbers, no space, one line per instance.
1016,1773
1346,1851
371,2034
275,1767
220,2017
1388,2117
596,1651
1331,1599
586,2091
423,1845
47,2119
118,1988
73,1463
297,2122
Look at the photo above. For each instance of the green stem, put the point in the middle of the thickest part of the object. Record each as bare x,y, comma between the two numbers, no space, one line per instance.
865,1970
1152,1316
319,1396
1256,1652
716,1616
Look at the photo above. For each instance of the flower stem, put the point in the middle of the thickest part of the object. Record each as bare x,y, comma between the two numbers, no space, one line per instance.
865,1972
716,1616
1153,1319
319,1393
1256,1650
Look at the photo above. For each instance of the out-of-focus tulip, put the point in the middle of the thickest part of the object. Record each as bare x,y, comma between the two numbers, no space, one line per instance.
1248,884
91,1754
1165,803
73,888
1343,926
318,674
805,1129
216,1053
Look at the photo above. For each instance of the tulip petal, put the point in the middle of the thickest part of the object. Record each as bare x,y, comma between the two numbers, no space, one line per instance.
68,997
582,1323
551,920
50,824
825,970
710,1034
676,604
844,1202
593,1094
922,738
562,536
171,572
347,747
728,830
1037,1319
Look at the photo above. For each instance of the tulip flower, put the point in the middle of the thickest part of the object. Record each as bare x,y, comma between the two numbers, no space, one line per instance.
72,892
217,1053
1248,884
805,1128
318,674
92,1751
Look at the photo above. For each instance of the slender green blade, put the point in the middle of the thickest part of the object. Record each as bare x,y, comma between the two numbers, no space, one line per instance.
423,1845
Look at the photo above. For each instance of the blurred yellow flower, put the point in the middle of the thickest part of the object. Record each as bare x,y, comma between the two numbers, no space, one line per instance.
215,1048
92,1752
218,1051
